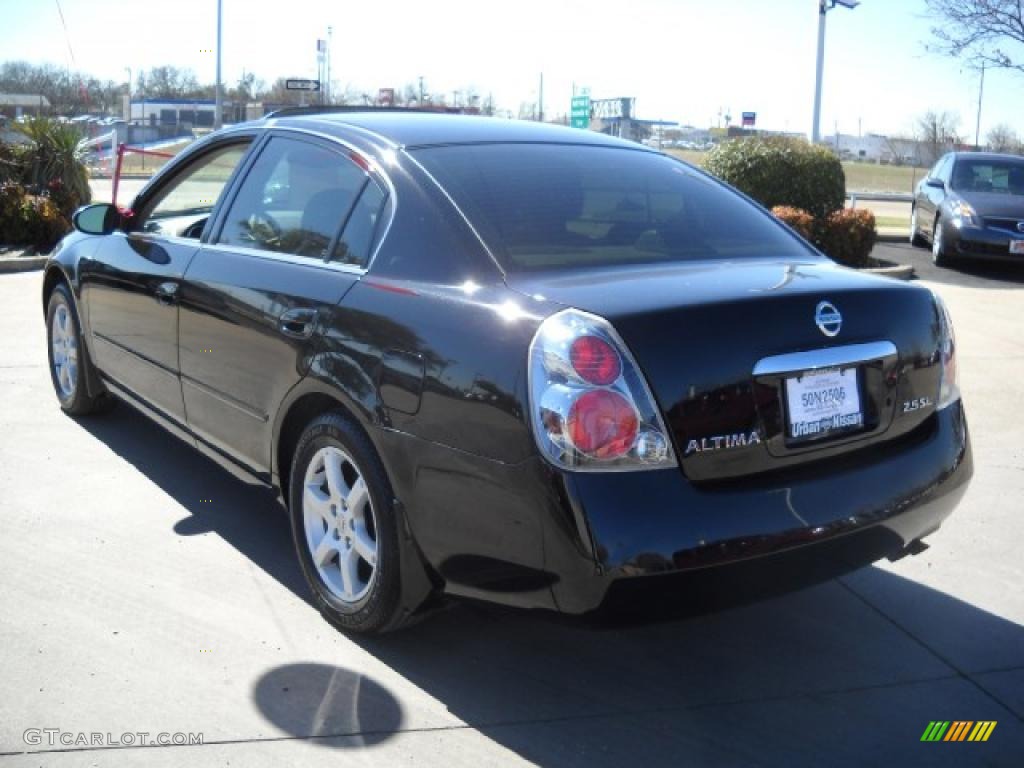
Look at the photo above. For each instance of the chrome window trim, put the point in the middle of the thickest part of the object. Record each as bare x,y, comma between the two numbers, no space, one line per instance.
827,357
289,258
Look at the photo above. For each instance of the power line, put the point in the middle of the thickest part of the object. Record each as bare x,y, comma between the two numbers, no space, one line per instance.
67,35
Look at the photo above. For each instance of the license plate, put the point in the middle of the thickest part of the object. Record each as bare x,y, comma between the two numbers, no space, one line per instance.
823,403
1017,246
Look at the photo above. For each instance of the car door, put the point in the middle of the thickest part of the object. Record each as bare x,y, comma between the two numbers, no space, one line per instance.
131,284
252,299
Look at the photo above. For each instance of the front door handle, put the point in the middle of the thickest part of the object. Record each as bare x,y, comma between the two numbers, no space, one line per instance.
298,323
167,293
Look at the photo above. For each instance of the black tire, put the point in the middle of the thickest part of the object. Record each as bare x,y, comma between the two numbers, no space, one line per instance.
940,255
378,609
72,392
916,240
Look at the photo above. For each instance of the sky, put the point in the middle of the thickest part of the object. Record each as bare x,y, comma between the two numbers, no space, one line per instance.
683,60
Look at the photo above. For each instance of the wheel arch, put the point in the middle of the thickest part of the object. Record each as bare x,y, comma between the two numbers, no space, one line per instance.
307,400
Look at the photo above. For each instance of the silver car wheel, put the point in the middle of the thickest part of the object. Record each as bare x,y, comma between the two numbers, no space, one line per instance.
913,225
340,527
64,345
937,241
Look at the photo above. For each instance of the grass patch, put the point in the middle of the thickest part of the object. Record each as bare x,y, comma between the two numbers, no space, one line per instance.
893,222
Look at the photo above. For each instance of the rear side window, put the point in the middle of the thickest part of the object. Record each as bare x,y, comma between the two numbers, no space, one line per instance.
354,245
552,206
295,199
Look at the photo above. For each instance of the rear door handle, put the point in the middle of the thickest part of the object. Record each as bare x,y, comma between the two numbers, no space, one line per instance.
298,323
167,293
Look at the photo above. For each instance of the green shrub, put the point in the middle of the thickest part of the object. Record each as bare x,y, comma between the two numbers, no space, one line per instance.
12,215
798,219
849,235
44,223
778,170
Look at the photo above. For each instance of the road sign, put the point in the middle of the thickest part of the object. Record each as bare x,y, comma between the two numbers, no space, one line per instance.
749,118
580,112
302,85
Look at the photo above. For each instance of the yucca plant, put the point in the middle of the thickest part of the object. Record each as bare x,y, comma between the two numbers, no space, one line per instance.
54,159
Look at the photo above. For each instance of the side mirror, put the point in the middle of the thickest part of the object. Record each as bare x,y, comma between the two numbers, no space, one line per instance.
97,219
933,182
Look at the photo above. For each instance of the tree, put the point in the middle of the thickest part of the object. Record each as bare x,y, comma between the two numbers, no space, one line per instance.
936,131
1002,138
984,32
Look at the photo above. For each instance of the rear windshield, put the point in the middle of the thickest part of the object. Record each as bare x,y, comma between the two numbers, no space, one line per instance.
999,176
557,206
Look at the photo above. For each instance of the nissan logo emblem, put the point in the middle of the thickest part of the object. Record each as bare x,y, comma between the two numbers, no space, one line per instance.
828,319
1020,226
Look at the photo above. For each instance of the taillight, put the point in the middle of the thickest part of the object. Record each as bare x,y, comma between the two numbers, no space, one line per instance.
949,389
590,406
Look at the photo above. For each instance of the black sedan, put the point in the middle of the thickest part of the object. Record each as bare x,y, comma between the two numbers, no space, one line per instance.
971,205
510,361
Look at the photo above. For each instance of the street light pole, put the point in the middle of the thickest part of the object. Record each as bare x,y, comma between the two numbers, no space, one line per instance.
129,71
977,125
824,6
218,113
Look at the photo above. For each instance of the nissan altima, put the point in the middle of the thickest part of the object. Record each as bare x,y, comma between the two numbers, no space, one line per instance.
514,362
971,205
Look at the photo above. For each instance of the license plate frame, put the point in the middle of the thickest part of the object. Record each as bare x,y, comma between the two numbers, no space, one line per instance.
1017,247
822,404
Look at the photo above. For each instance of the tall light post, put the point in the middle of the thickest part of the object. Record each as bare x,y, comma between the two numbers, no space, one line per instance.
129,71
824,6
218,109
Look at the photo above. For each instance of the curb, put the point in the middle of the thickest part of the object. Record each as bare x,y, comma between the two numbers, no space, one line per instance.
892,237
897,271
22,264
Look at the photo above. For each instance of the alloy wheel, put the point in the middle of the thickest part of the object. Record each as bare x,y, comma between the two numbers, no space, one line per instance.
339,524
64,344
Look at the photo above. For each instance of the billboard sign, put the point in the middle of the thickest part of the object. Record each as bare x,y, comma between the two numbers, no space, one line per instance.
749,118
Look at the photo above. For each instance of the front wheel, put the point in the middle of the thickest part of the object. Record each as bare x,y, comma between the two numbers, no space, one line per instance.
344,526
68,356
940,256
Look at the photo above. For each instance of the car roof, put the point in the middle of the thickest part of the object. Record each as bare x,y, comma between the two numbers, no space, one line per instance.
417,129
988,156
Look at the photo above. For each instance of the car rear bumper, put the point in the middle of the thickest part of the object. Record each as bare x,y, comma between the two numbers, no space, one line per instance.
658,538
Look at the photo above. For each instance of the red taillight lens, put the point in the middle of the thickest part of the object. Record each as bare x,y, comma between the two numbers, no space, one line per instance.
602,423
595,360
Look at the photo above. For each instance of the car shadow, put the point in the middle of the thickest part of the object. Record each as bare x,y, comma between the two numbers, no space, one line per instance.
846,673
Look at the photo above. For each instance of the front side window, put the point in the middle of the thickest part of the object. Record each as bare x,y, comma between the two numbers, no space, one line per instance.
294,199
183,205
552,206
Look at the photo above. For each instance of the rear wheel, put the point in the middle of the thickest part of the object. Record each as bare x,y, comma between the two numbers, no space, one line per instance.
940,256
68,356
915,234
344,526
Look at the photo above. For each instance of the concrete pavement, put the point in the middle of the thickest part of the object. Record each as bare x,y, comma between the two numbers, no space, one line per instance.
143,589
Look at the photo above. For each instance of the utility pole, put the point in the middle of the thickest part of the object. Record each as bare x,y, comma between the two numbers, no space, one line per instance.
540,100
218,110
330,39
421,90
977,125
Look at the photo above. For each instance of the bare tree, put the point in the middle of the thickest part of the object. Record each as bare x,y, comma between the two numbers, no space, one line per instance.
984,32
936,132
1002,138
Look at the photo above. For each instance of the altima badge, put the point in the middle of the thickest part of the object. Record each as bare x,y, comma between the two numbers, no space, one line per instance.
723,442
828,319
